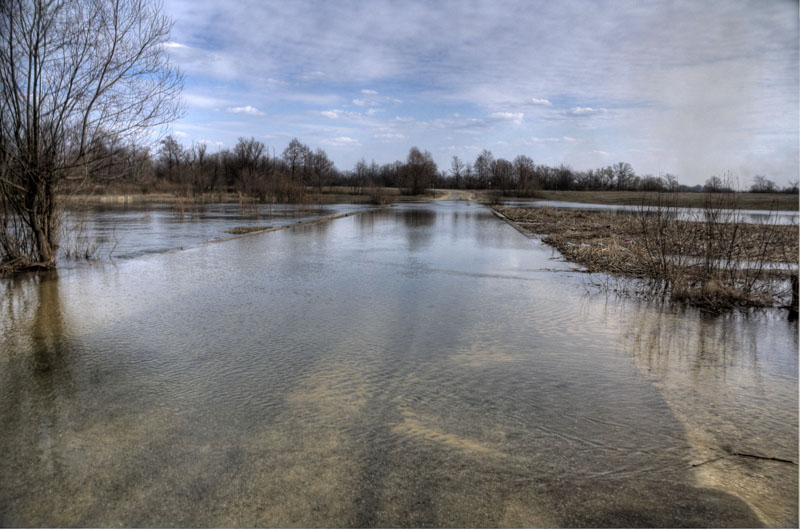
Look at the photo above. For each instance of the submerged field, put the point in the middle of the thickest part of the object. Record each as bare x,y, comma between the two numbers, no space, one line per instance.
746,201
416,365
716,262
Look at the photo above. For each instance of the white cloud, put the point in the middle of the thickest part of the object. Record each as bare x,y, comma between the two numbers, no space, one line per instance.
247,109
583,111
202,101
569,139
276,82
515,117
341,141
601,153
339,114
180,134
403,118
311,76
538,101
372,111
309,98
371,98
204,63
390,136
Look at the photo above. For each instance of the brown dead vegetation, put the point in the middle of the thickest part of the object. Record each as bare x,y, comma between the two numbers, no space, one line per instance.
714,261
247,229
745,201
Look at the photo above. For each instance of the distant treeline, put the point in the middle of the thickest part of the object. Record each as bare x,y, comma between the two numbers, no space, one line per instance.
254,170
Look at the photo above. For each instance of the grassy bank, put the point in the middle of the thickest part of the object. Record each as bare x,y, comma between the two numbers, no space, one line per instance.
745,201
715,264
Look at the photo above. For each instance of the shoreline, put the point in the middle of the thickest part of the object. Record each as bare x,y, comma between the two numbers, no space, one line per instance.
385,196
343,195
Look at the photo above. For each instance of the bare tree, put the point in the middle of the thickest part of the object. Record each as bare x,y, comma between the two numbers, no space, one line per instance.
248,153
483,165
322,168
295,157
762,184
201,178
171,154
502,175
525,174
713,184
457,170
419,171
671,182
623,173
72,73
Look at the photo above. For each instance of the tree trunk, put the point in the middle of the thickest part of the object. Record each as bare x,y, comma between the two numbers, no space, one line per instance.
42,222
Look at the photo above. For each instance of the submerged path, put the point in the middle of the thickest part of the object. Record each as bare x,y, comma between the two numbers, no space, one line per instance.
419,365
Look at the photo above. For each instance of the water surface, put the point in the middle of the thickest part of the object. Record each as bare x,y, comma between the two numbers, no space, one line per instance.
420,365
123,231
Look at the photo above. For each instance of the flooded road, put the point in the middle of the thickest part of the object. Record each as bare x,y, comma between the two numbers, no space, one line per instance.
419,365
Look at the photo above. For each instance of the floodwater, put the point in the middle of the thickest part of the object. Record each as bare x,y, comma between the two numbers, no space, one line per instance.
419,365
122,231
780,217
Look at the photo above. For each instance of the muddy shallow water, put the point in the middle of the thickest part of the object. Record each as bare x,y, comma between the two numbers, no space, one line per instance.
422,365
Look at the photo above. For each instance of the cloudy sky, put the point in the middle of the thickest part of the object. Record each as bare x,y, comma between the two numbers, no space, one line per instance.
694,88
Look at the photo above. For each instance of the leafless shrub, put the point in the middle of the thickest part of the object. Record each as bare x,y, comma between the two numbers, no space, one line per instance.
495,198
663,245
240,230
377,196
76,240
715,259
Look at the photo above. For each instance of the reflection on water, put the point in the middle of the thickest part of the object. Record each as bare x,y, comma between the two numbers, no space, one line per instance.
422,365
734,389
122,231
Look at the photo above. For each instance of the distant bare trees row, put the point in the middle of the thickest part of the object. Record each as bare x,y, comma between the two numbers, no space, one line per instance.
249,168
255,170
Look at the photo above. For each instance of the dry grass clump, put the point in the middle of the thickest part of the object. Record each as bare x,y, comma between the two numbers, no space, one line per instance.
600,241
714,259
237,230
